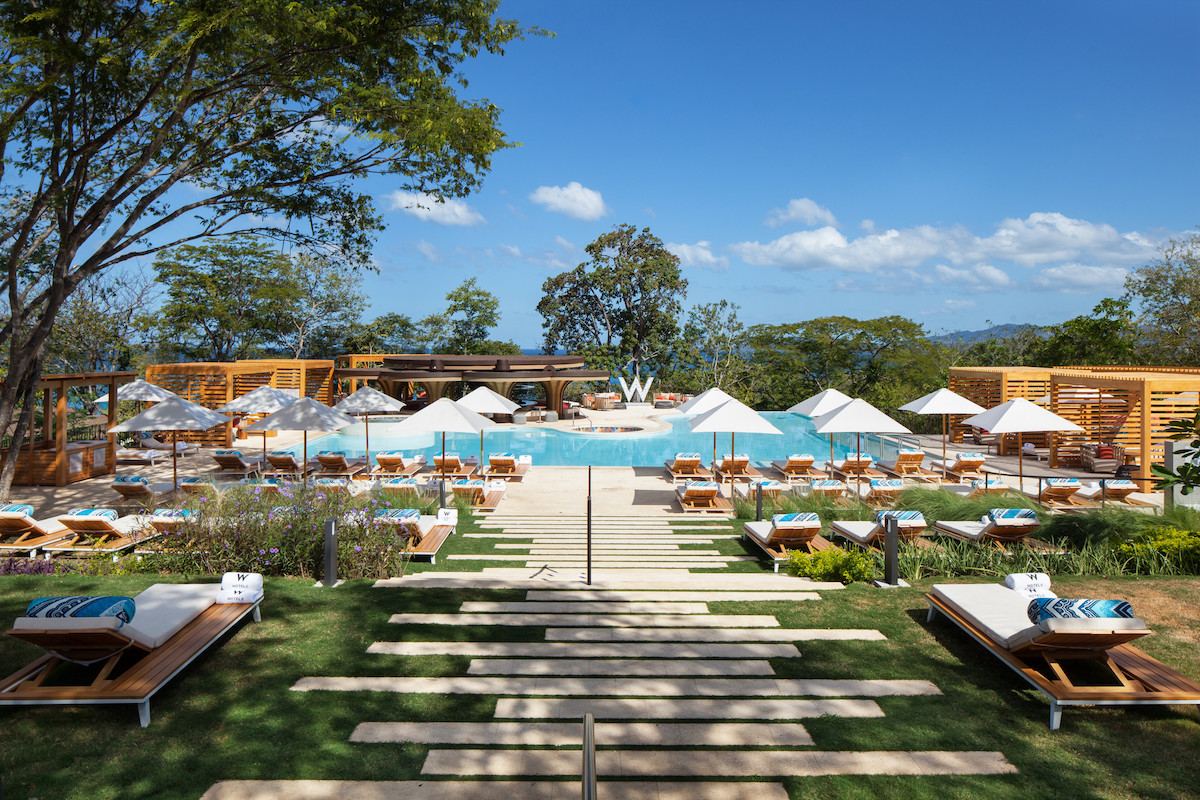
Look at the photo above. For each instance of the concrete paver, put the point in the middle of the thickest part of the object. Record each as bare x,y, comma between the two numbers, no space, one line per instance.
543,650
591,620
583,607
709,635
674,709
488,790
619,666
680,596
570,734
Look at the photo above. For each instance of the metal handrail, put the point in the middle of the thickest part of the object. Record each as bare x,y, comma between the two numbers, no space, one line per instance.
589,758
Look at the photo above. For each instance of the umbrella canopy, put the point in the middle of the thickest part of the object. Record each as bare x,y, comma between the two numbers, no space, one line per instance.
944,402
705,401
732,417
485,401
263,400
172,414
305,415
139,390
1020,416
444,416
365,402
857,417
820,403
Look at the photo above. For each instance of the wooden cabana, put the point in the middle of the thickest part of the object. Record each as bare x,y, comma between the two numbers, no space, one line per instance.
991,386
49,459
213,384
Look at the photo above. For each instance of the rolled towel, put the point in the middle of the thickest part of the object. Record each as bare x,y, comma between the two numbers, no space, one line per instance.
240,587
1029,584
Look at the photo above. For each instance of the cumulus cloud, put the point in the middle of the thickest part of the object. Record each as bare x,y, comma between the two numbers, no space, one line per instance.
428,208
1042,238
511,249
801,210
429,250
1081,279
981,276
698,255
575,200
827,248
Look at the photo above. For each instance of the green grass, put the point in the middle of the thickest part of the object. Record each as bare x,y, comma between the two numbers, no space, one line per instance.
231,715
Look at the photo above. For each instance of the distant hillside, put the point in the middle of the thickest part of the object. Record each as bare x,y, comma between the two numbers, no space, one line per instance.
971,337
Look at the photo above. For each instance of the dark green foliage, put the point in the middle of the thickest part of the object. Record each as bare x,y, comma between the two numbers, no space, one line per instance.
1178,548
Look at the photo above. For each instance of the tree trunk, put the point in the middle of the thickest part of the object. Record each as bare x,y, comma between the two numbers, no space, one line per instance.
22,385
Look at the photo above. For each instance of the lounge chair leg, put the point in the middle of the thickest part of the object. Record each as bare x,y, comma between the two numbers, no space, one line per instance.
929,616
257,616
1055,715
144,713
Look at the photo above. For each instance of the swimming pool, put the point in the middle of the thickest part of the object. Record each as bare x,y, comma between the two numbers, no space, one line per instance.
554,447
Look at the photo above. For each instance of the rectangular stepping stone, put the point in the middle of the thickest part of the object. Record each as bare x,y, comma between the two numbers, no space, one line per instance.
619,687
709,635
592,620
734,763
586,649
489,790
595,558
633,596
657,563
672,709
618,666
537,578
570,734
582,607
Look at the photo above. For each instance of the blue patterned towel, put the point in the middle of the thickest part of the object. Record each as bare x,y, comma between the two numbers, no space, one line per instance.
688,456
906,518
702,484
237,453
796,519
128,479
332,453
506,456
971,457
987,483
17,508
1012,516
886,483
79,606
105,513
467,482
827,484
175,513
1119,483
801,457
1062,481
399,482
1041,608
398,513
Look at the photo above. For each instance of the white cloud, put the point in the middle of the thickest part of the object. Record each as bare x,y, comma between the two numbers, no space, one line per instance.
1081,279
827,248
1045,237
980,276
953,304
575,200
511,249
698,255
429,250
428,208
801,210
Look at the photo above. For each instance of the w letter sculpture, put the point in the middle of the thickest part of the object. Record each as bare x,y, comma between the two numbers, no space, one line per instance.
637,392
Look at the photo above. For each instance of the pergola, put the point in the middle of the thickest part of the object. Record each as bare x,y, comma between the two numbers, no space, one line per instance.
49,459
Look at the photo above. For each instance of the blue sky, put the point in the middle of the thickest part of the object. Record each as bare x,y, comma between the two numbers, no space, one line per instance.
950,162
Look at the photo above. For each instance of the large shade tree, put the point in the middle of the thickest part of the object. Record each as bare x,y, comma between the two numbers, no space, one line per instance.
128,127
1165,295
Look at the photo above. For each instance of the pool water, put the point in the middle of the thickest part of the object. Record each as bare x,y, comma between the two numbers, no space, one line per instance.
554,447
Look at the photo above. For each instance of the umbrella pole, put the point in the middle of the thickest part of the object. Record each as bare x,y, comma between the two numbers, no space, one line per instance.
858,469
944,418
174,460
481,449
443,457
829,466
304,466
1020,466
714,454
367,436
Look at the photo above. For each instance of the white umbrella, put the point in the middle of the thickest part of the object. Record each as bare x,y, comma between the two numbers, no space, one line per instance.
139,390
944,402
485,401
442,416
263,400
821,403
705,401
732,417
305,415
173,414
1020,416
857,417
365,402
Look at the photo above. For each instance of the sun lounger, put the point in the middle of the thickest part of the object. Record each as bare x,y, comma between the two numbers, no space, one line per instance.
347,486
770,488
177,526
881,491
1112,490
796,531
21,533
1004,528
286,465
828,488
432,532
131,455
855,465
232,464
482,495
334,464
798,467
389,462
139,490
908,465
202,485
507,466
735,467
181,448
702,496
391,487
964,467
1045,653
172,625
399,520
686,467
1060,493
453,467
871,534
98,530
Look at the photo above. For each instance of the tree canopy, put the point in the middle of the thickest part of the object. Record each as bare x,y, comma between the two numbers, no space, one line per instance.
1165,295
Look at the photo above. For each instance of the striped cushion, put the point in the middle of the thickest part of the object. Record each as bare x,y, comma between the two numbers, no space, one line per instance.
972,457
769,483
702,484
688,456
1119,483
281,454
237,453
59,607
797,519
1062,481
1012,516
175,513
17,508
886,483
1042,608
906,517
467,482
398,513
501,455
827,484
330,481
105,513
399,482
332,453
128,479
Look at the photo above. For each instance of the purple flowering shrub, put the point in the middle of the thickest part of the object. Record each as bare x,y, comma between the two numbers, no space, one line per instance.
32,566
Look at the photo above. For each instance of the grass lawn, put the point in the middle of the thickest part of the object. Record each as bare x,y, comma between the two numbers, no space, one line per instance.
231,715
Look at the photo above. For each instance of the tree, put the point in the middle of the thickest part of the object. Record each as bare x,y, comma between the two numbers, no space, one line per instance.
100,325
127,128
1023,347
471,315
621,308
1106,336
327,297
1165,295
711,351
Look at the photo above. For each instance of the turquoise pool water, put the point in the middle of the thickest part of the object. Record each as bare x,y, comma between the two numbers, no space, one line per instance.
554,447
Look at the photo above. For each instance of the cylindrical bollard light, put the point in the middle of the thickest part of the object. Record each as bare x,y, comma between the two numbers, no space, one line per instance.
891,552
330,577
758,505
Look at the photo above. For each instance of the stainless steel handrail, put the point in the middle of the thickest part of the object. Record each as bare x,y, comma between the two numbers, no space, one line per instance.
589,758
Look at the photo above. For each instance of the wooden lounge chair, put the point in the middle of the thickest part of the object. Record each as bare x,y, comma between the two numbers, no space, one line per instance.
334,464
1045,654
855,465
94,530
965,467
686,467
735,468
1003,528
263,485
770,488
346,486
389,462
400,520
796,531
1113,490
132,455
286,465
138,490
871,534
828,488
702,496
506,466
453,467
204,485
233,465
21,533
881,491
173,624
393,487
799,467
908,464
1060,493
432,532
482,495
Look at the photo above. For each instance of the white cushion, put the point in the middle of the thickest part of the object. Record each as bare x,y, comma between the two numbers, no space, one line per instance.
861,532
165,608
66,623
996,610
967,529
